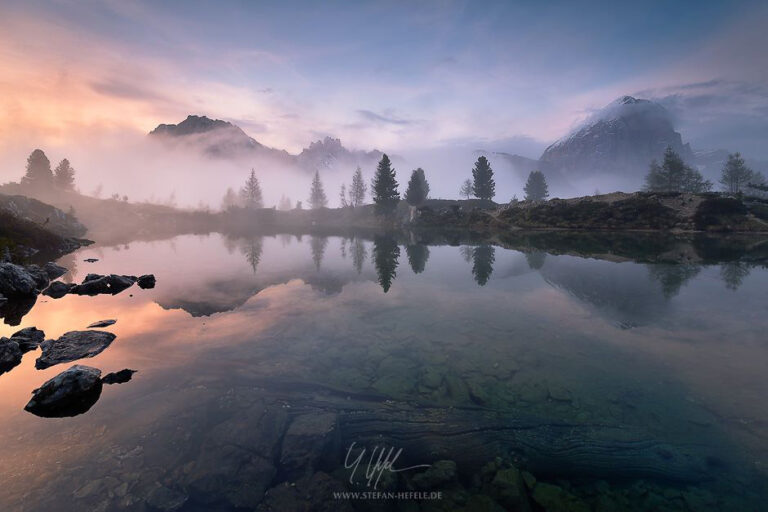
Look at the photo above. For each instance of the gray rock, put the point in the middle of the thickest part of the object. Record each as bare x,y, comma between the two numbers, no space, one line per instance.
95,284
28,339
102,323
146,281
39,275
309,439
165,499
10,355
14,309
118,377
16,281
58,289
72,392
72,346
54,271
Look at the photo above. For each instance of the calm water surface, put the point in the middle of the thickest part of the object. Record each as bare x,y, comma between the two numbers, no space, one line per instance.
638,383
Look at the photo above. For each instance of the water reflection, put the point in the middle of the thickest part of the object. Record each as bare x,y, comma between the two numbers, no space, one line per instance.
538,365
385,255
483,257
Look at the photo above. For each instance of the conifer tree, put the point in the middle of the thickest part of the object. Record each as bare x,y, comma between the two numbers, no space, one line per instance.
39,172
736,176
673,175
384,188
343,203
358,189
251,193
483,185
64,175
418,188
317,197
536,187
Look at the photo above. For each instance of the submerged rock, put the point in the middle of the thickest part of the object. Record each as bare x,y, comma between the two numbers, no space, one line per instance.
310,438
58,289
10,355
102,323
72,346
91,260
28,339
147,281
72,392
120,377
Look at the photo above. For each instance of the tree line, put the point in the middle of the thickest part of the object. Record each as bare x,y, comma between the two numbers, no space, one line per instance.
383,189
40,176
674,175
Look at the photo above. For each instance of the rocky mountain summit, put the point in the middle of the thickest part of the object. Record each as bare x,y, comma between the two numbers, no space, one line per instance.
620,140
222,139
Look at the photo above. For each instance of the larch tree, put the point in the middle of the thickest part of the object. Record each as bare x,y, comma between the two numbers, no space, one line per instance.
317,197
674,175
736,176
358,189
466,189
251,193
343,203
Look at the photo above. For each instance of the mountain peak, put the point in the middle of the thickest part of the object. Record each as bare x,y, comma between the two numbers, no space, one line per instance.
191,125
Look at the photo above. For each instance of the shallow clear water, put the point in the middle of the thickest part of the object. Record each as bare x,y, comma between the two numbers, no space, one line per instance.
613,379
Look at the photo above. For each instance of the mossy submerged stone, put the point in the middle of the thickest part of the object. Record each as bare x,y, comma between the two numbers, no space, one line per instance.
556,499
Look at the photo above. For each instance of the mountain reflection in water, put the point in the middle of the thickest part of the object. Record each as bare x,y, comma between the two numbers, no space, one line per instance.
588,363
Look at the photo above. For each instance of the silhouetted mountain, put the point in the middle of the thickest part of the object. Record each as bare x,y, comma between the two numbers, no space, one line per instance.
222,139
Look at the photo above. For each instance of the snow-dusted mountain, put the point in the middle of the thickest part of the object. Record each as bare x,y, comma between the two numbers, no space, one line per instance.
617,142
222,139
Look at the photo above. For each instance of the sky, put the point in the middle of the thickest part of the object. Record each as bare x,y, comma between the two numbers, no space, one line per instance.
399,76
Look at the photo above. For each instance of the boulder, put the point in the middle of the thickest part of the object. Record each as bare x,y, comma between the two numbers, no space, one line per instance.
95,284
118,377
72,392
16,281
28,339
146,281
10,355
39,275
58,289
102,323
54,271
72,346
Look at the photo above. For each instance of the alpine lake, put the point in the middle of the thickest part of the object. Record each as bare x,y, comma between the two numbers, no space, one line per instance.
274,372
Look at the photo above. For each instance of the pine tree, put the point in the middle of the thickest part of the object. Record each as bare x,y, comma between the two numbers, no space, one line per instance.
483,185
251,193
418,188
317,198
230,200
736,176
536,187
466,189
38,170
385,255
64,176
384,188
343,196
675,176
358,189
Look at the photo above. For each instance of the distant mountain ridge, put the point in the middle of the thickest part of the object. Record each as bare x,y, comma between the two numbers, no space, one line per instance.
222,139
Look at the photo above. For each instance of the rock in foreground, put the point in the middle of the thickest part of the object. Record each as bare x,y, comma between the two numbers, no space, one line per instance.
72,392
10,355
16,281
72,346
28,339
